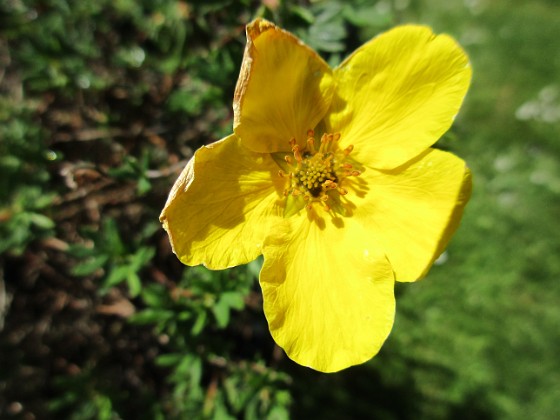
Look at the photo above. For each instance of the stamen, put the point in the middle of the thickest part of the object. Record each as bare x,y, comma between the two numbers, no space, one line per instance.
329,184
297,154
311,144
317,171
323,143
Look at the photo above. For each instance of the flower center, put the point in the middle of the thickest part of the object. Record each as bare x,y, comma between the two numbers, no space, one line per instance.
317,175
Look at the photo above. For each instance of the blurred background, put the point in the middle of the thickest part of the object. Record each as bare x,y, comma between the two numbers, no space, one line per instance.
101,105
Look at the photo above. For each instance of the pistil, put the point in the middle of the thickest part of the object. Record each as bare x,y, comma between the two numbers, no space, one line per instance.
317,175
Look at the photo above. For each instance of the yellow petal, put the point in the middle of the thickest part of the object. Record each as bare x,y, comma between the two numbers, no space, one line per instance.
284,89
456,215
328,292
413,210
397,94
223,205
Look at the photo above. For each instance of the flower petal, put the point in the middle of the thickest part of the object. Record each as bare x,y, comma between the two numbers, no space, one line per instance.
456,215
397,94
223,205
414,210
328,292
284,89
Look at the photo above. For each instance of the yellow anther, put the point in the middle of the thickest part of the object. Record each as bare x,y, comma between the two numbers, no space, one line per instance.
329,184
311,145
317,168
323,143
297,154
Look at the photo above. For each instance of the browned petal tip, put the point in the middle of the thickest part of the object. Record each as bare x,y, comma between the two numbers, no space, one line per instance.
258,26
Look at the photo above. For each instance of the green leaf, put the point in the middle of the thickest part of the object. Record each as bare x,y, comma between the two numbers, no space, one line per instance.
90,265
141,257
221,313
184,315
117,275
112,237
168,360
151,316
144,185
104,407
199,323
233,300
302,12
41,221
80,251
369,16
134,284
155,295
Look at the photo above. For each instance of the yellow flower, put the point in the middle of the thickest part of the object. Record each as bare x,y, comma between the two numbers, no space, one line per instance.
330,175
